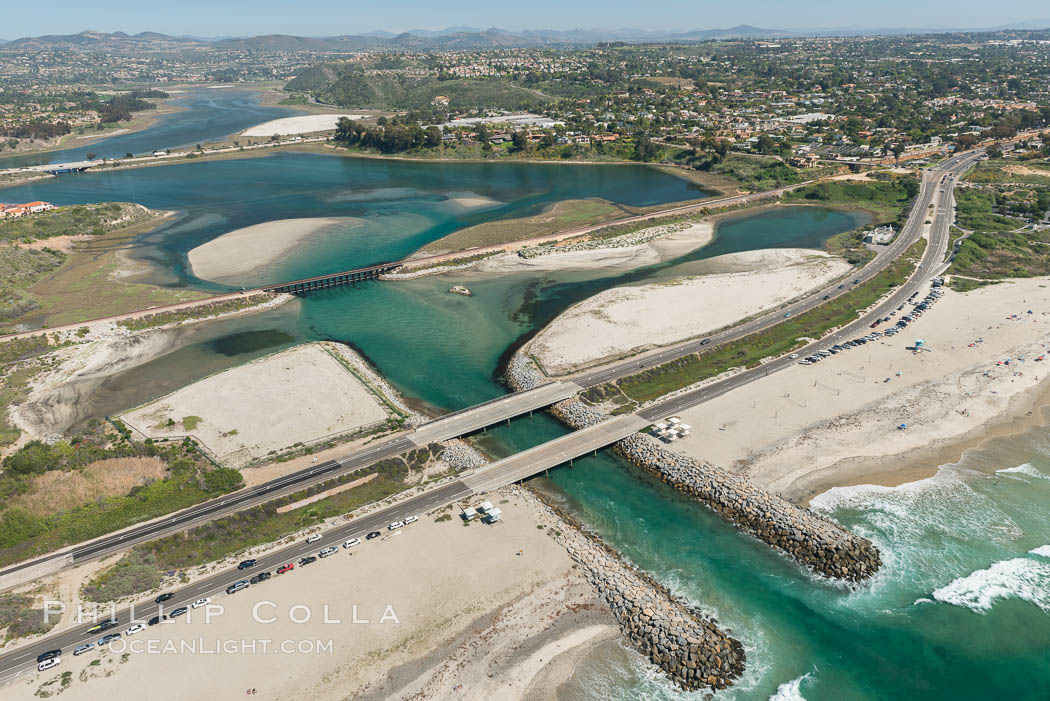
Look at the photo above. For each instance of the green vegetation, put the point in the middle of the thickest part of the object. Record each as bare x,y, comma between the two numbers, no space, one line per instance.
757,172
297,99
965,284
887,199
19,269
93,219
191,422
189,480
21,617
348,85
557,217
748,351
997,172
976,211
135,572
264,524
1003,255
200,311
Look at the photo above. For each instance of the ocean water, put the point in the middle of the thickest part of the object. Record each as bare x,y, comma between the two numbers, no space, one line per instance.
960,610
206,114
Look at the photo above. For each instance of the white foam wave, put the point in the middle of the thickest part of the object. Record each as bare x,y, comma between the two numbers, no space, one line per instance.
1026,469
1042,551
790,691
1018,578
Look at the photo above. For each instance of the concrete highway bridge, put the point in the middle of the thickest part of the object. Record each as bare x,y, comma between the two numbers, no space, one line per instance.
515,468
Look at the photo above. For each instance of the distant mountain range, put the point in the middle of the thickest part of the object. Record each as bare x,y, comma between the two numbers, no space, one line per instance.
424,39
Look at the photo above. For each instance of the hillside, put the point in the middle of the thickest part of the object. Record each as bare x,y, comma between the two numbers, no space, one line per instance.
341,85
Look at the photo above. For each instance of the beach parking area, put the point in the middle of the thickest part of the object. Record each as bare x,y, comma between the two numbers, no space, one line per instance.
808,428
439,610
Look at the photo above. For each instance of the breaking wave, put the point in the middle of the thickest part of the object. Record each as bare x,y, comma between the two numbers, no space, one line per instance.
1022,578
790,691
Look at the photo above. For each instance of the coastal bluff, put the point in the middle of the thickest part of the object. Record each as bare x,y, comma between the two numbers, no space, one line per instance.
809,538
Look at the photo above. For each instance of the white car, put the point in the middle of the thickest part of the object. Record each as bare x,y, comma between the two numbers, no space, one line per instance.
411,519
314,538
352,542
48,664
793,356
138,627
330,550
200,602
395,525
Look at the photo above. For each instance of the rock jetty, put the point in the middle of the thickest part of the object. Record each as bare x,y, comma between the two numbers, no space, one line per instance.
460,290
811,539
688,646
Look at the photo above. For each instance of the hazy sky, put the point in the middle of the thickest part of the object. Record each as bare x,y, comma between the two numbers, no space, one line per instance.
332,17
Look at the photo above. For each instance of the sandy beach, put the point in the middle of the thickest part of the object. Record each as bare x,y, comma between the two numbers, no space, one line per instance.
611,254
241,256
511,602
306,124
836,423
241,415
627,320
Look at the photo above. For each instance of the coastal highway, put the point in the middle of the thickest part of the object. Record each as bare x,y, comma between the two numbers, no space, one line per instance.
513,468
23,659
508,406
910,233
449,426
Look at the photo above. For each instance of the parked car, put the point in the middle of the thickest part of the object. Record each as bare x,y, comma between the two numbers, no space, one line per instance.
178,612
81,649
411,519
237,586
325,552
314,538
373,534
286,568
57,652
136,628
261,577
48,663
352,542
307,560
200,602
395,525
166,596
104,625
245,564
107,639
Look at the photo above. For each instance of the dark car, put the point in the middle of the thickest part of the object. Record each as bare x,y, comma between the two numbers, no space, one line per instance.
705,341
373,534
104,625
826,297
107,639
48,655
166,596
857,281
307,560
246,564
261,577
155,620
177,612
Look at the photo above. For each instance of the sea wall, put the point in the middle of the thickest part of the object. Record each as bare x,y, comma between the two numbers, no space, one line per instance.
811,539
688,646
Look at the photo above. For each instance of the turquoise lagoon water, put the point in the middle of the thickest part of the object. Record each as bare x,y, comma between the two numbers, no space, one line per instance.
962,607
205,114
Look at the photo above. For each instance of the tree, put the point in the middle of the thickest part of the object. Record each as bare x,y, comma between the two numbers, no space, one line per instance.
896,150
519,142
222,479
92,156
433,137
644,148
994,151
